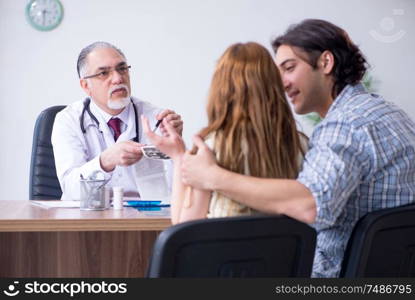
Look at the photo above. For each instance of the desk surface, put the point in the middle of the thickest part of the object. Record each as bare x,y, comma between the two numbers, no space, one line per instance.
22,216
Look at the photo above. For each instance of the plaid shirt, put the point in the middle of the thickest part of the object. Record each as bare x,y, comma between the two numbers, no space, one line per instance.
361,159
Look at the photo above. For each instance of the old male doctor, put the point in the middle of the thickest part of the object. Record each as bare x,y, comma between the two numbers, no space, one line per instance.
103,132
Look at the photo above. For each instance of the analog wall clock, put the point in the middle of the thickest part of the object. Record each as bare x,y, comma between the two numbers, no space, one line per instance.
44,15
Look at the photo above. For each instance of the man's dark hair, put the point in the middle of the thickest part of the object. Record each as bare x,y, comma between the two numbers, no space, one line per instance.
313,37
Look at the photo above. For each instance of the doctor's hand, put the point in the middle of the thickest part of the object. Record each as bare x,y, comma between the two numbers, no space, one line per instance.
123,153
199,170
171,144
173,119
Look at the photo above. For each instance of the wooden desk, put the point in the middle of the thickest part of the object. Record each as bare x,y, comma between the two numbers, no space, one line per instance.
68,242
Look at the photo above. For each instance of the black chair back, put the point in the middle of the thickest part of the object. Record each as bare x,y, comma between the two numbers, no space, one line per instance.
43,182
249,246
382,244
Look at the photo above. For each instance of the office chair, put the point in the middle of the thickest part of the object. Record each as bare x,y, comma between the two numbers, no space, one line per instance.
248,246
382,244
43,182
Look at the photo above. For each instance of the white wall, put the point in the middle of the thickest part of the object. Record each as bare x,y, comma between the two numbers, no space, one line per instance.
172,46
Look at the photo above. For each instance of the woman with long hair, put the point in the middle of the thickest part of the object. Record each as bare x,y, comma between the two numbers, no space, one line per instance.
250,128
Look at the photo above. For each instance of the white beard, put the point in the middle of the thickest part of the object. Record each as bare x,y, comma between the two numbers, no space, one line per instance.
118,104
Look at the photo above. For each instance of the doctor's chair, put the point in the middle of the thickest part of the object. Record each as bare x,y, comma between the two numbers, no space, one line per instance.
43,182
248,246
382,244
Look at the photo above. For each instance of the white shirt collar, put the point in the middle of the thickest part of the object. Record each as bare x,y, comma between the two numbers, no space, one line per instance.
123,115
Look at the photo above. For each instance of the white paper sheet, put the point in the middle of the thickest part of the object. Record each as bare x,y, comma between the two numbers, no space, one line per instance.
58,203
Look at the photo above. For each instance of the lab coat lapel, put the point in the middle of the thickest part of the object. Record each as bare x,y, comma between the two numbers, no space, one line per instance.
129,133
103,127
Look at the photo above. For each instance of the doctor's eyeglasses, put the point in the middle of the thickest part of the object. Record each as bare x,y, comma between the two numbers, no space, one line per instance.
107,72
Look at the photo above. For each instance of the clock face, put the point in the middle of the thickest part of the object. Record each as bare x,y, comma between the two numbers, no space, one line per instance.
44,14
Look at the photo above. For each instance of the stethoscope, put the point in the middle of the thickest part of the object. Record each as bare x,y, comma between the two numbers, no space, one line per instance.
87,101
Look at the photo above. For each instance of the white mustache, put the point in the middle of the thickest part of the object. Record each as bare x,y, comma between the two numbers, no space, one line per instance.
117,87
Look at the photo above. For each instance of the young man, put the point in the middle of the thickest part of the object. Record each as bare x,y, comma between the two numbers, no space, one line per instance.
361,157
103,132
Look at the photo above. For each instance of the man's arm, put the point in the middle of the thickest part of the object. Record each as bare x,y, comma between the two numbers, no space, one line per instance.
123,153
72,160
275,196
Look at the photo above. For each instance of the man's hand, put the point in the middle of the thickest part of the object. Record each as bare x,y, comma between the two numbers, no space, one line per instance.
120,154
173,119
171,144
198,170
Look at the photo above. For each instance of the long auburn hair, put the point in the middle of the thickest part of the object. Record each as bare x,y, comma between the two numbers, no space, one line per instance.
247,104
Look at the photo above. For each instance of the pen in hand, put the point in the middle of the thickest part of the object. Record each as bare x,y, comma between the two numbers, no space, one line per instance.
157,124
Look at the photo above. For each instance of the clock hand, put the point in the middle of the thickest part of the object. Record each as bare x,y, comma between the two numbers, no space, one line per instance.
43,16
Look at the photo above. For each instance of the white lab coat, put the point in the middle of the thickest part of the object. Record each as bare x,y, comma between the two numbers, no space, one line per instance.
77,153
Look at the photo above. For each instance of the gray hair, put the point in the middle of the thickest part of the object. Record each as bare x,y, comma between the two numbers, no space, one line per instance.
80,65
